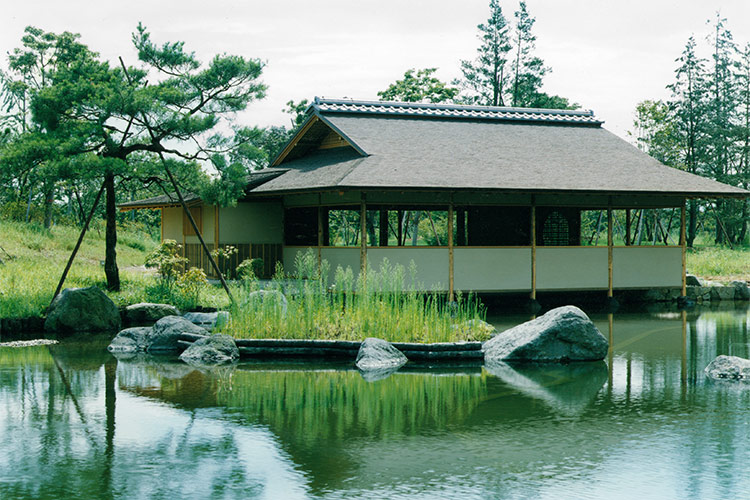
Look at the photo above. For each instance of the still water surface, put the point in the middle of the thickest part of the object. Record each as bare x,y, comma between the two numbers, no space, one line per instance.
76,422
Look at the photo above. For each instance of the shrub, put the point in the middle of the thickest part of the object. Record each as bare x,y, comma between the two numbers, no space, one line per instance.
167,260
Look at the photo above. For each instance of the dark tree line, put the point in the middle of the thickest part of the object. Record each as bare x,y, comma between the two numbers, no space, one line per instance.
704,128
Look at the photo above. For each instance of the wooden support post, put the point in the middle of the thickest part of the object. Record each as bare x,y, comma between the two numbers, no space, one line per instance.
320,235
400,228
683,244
461,227
383,228
610,288
533,248
161,223
450,252
627,227
78,243
363,234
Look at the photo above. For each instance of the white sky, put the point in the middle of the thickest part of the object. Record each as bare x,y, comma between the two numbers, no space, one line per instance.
605,55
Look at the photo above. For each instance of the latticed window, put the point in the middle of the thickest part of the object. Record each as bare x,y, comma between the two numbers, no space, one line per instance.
556,230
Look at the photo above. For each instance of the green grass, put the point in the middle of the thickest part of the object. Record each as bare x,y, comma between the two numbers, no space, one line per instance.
387,304
39,255
719,263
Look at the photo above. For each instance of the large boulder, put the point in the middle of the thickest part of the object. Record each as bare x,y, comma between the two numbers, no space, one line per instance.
561,335
692,280
741,290
729,367
147,313
82,310
213,350
377,354
208,321
168,331
131,340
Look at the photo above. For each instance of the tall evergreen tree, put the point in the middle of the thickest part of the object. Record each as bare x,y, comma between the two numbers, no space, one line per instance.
487,77
688,108
528,69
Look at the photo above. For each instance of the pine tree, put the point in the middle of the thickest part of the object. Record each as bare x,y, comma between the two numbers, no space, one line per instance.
487,76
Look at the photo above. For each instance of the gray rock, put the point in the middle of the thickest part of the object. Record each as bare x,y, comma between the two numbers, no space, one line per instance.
562,334
267,298
377,354
722,293
208,321
168,331
568,389
216,349
729,367
692,280
131,340
82,310
741,290
146,313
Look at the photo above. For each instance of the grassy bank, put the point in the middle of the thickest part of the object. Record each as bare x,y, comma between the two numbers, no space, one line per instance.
719,264
34,258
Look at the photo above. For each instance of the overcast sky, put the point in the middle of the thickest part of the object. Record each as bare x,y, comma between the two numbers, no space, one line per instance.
605,55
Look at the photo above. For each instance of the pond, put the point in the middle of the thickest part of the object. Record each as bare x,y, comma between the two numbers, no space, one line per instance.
76,422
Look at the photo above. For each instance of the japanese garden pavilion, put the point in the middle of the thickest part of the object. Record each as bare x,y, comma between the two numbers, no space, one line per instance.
500,194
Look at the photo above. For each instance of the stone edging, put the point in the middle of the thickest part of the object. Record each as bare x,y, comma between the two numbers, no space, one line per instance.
347,349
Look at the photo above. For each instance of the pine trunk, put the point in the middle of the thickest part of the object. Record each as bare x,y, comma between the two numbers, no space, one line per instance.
110,254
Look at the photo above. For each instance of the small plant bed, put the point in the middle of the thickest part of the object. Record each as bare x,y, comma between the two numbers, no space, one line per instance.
383,302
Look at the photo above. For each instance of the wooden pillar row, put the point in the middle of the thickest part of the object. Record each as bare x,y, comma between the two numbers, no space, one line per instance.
627,227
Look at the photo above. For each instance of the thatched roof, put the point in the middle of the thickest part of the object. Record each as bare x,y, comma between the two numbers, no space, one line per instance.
429,146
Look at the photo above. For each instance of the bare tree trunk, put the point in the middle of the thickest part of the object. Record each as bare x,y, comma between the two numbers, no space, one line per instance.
49,201
110,255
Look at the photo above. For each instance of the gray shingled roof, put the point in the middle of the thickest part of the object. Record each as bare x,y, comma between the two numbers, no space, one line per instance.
458,147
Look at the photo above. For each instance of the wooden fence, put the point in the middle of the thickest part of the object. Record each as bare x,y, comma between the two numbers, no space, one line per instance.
269,252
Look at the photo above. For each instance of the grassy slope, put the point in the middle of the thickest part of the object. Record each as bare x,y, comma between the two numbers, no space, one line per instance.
719,263
28,281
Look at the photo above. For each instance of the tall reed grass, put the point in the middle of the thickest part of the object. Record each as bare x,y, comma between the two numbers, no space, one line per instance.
385,302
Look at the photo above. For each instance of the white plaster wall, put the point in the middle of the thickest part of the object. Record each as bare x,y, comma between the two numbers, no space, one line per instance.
561,268
492,269
644,267
432,264
172,224
250,223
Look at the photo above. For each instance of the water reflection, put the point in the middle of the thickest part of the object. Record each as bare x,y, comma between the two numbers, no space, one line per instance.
77,422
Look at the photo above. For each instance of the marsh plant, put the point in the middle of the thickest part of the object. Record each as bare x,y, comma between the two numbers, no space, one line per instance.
383,302
174,284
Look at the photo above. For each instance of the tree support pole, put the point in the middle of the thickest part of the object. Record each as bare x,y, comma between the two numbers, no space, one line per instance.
194,225
78,243
182,200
